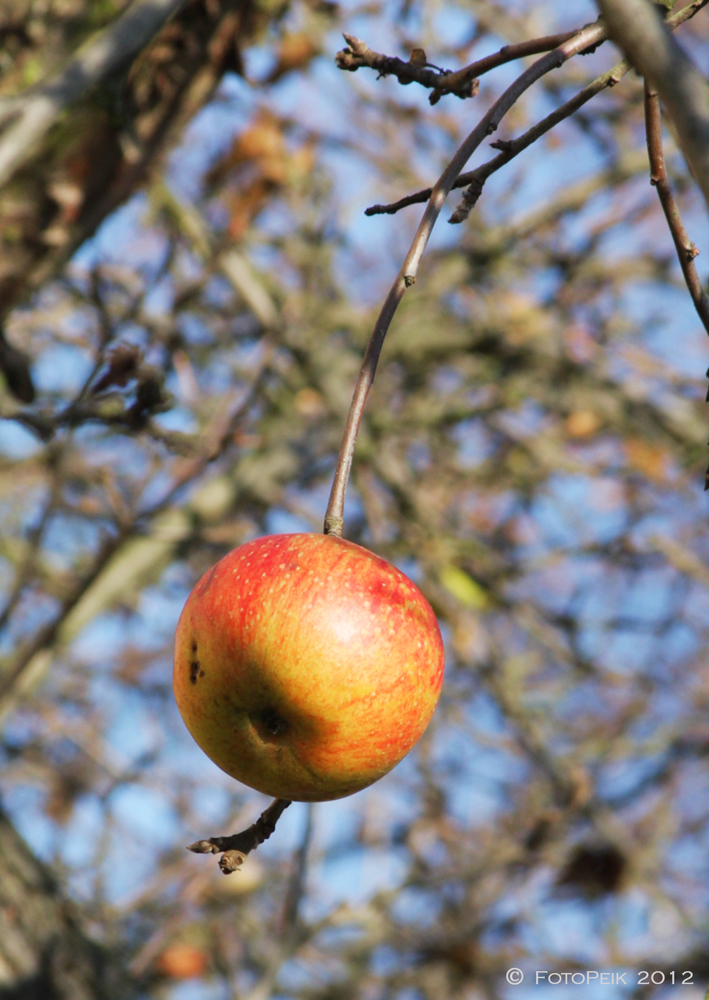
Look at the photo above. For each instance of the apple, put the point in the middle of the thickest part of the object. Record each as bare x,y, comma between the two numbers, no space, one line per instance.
306,666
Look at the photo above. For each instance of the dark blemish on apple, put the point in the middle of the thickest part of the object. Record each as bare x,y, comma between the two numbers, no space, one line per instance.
194,645
273,722
195,671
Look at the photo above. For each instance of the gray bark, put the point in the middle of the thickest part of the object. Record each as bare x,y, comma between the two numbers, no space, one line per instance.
44,954
109,51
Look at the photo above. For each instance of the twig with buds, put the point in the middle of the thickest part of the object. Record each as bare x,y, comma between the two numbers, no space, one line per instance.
234,849
589,36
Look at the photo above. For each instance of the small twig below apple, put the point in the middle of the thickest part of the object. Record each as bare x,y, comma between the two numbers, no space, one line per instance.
235,847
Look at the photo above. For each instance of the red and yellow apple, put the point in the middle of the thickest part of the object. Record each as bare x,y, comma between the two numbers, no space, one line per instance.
306,666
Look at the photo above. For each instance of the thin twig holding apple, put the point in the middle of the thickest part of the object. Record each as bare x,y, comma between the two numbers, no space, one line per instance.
229,651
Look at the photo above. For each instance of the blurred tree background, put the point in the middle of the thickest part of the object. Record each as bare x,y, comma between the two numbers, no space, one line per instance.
187,283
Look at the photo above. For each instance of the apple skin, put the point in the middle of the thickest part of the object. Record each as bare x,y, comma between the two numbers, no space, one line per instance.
306,666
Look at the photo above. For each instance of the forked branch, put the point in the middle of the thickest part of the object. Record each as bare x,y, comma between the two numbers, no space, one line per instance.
461,82
584,39
475,179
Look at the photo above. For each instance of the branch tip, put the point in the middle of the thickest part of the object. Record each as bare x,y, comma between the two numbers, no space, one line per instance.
203,847
234,848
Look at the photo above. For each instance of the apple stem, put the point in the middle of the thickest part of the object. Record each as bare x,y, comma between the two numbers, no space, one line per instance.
235,847
334,516
591,35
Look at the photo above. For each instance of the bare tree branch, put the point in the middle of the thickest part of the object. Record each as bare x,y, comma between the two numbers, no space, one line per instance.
686,250
461,82
591,35
476,178
635,25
